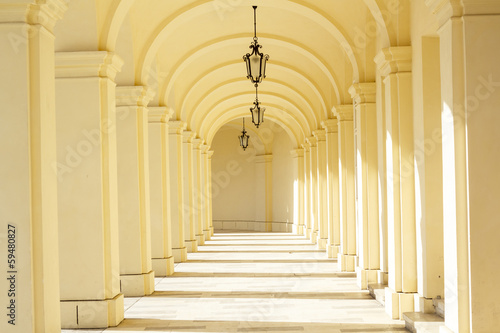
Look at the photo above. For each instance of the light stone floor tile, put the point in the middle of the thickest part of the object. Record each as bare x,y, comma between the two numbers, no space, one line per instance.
257,282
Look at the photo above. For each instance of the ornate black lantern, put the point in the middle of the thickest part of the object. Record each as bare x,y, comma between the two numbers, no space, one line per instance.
255,61
257,111
244,137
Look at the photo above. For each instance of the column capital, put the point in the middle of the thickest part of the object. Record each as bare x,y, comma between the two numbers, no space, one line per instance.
134,95
312,141
209,154
306,146
343,112
395,59
330,125
445,9
204,148
177,127
363,92
296,153
45,13
320,134
87,64
197,143
188,136
159,114
263,158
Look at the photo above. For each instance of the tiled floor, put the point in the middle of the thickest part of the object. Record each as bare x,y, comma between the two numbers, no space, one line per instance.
257,282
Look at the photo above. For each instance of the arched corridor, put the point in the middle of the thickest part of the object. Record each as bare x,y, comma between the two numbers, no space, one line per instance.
373,139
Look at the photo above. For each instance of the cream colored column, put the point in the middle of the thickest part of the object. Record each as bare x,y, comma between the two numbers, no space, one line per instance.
264,163
347,255
322,186
307,189
159,180
198,190
88,189
383,274
298,223
332,148
179,250
29,181
313,157
206,191
363,95
189,218
209,208
395,64
470,95
134,216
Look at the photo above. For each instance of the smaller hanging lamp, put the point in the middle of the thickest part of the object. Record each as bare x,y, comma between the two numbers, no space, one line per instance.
244,137
257,111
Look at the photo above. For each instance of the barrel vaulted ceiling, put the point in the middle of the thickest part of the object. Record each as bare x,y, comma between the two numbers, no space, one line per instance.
189,53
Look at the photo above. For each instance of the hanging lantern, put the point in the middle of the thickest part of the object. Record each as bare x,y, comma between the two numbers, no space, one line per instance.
257,111
255,61
244,137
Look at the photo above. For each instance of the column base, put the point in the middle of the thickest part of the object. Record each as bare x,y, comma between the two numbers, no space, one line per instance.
366,277
308,232
201,239
314,237
191,245
396,303
206,232
322,243
180,255
92,314
346,262
163,266
383,277
423,305
137,285
333,251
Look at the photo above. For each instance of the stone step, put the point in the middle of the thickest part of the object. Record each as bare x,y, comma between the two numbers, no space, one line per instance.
418,322
377,291
439,306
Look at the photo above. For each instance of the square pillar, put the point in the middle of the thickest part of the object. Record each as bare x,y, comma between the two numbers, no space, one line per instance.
332,170
209,201
264,169
198,190
347,255
395,66
307,189
206,191
88,189
322,188
363,95
189,217
159,180
179,250
28,172
298,186
134,216
313,157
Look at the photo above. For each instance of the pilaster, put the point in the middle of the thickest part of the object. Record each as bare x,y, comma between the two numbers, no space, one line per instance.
265,162
332,148
363,95
206,191
322,188
134,216
88,210
209,208
298,155
189,214
159,171
28,177
176,128
347,255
